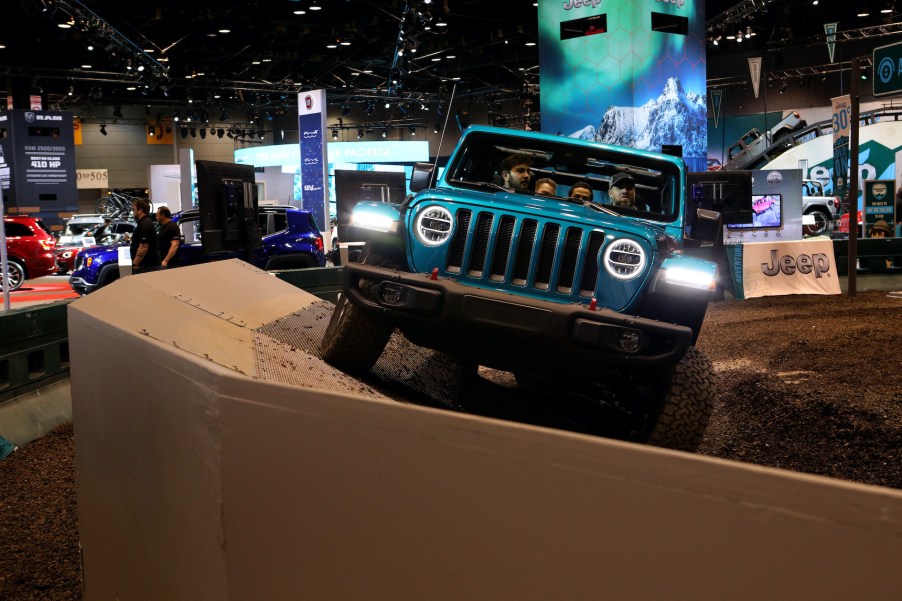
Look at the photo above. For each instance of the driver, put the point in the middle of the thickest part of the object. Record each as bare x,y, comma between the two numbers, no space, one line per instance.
515,171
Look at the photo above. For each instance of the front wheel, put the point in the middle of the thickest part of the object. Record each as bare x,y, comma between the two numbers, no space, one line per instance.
16,276
686,404
355,338
821,224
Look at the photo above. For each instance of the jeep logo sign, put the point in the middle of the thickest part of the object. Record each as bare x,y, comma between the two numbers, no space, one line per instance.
819,263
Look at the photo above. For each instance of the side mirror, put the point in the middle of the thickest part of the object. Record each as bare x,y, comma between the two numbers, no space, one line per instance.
708,226
421,178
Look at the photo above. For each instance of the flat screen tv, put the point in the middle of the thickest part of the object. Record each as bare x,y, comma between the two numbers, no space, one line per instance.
767,213
227,202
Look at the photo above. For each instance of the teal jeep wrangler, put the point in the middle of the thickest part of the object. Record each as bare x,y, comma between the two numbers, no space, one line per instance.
582,297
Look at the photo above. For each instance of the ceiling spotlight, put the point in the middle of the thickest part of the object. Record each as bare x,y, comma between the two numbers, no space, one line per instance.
193,132
784,87
359,133
203,133
103,128
334,134
412,130
151,130
184,131
384,133
220,133
388,105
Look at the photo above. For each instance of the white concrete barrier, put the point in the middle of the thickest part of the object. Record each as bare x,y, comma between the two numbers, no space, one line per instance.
197,479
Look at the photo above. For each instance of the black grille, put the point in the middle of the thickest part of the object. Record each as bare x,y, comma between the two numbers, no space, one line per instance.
546,255
590,270
569,260
524,253
502,247
459,242
480,244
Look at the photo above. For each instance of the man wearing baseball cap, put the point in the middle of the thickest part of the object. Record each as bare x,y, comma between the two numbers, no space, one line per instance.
623,191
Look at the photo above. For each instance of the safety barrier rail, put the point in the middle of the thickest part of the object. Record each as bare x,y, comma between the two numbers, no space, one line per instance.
34,348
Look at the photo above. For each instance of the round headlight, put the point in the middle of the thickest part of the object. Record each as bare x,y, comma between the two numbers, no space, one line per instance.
624,259
433,225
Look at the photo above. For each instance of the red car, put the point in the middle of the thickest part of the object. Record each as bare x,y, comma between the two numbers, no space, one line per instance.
30,249
65,258
843,224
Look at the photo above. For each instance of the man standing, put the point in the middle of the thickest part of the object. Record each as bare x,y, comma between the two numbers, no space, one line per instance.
515,172
170,237
144,246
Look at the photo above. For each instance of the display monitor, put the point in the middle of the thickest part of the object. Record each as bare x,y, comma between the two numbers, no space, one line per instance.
227,202
767,213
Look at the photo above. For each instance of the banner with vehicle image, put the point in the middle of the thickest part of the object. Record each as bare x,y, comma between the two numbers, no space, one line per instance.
780,268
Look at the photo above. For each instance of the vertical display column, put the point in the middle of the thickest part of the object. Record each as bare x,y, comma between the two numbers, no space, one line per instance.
314,181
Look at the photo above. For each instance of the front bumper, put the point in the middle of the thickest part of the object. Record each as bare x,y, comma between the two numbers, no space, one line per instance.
80,286
512,332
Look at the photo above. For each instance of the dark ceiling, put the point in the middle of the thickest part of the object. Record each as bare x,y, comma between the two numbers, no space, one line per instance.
257,54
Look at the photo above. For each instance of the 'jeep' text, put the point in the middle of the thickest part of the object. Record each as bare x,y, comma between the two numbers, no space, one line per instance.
819,263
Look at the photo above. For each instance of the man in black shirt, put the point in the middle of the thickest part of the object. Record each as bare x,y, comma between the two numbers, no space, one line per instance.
169,237
144,248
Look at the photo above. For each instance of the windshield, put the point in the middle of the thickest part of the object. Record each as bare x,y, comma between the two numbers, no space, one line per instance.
77,229
609,180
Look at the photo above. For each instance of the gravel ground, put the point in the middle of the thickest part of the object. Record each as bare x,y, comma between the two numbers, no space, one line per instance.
805,383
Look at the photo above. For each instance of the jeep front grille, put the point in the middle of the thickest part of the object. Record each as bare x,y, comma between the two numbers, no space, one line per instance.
526,253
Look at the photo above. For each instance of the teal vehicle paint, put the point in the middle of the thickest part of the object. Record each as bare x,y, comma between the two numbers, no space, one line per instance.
596,296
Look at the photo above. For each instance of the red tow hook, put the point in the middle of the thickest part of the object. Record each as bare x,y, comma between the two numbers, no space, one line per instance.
593,304
434,275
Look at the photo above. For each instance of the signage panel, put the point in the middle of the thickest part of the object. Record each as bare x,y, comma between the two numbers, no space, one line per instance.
887,61
314,170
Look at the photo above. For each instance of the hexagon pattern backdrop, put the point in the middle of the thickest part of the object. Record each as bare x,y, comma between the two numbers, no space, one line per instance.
626,72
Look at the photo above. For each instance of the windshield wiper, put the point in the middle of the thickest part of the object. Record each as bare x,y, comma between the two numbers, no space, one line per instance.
602,208
488,185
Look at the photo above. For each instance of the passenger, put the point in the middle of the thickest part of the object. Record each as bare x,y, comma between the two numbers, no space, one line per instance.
623,192
581,190
169,238
515,171
546,187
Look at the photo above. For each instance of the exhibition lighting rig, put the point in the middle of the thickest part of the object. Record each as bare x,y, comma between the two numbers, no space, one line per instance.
138,63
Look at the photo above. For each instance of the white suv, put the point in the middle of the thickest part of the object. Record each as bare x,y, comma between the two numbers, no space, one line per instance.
824,209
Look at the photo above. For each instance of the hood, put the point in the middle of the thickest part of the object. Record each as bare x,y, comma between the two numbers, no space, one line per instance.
542,208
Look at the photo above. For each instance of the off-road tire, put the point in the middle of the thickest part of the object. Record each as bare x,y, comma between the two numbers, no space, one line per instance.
687,404
822,224
355,338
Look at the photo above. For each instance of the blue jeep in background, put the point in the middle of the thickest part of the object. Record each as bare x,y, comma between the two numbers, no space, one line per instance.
291,240
583,298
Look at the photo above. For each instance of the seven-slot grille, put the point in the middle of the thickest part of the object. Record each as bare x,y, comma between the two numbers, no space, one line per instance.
524,252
